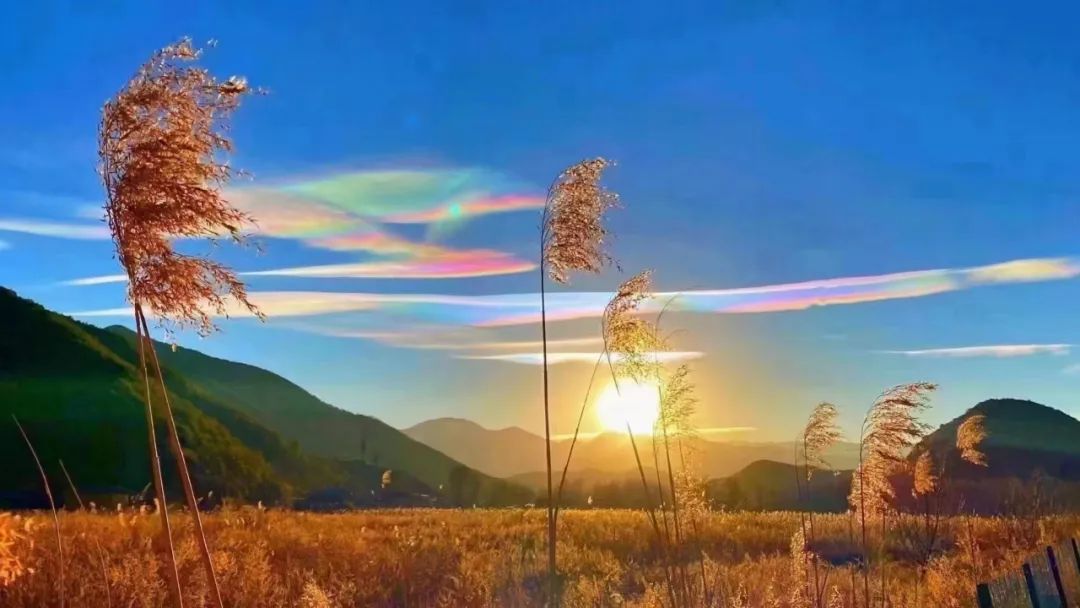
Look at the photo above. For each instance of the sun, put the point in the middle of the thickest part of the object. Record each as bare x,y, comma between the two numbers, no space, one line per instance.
629,403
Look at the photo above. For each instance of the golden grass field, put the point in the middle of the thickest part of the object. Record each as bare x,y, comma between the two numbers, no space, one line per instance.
486,558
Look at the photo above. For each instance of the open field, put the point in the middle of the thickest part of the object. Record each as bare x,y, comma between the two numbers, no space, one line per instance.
487,558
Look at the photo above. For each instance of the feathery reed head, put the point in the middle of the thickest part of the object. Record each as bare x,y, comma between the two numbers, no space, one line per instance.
889,430
969,436
160,143
573,233
678,404
892,425
925,478
628,336
874,472
819,434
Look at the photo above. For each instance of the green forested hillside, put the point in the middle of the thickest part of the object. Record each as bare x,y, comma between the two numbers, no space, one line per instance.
317,427
77,391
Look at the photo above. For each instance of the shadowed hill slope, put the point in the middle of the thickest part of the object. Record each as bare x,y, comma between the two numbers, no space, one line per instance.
247,433
317,427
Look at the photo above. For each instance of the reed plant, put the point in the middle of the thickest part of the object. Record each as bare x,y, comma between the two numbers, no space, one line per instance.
162,144
573,238
889,430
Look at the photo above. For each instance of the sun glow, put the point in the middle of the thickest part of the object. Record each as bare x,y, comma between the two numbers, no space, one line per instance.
628,403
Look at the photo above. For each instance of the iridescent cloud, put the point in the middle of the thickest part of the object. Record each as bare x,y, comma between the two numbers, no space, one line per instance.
447,265
991,350
276,304
501,310
467,208
284,215
536,358
347,212
418,195
460,340
804,295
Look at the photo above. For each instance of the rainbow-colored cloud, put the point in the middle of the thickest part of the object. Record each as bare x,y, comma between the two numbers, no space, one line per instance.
349,213
418,195
510,309
447,264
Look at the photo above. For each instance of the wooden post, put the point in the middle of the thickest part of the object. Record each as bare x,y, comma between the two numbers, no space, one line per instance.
982,595
1057,576
1033,593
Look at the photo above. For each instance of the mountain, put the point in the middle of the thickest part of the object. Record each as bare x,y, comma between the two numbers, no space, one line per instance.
516,453
499,453
247,433
297,415
1022,437
1033,453
770,485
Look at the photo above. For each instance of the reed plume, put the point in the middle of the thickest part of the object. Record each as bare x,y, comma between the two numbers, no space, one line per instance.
161,144
925,478
626,337
572,239
631,339
888,431
573,236
969,437
819,434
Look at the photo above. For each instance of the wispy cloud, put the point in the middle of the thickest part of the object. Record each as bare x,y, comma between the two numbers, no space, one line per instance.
493,311
453,338
726,430
101,280
536,358
275,304
713,430
993,350
62,230
447,264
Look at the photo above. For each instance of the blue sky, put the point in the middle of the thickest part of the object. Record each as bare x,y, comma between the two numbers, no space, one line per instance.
755,147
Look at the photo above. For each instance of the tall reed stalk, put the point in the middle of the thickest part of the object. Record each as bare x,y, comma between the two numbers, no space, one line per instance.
162,142
633,345
52,507
572,239
155,465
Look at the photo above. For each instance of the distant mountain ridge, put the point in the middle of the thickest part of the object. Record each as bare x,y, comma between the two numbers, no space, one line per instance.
1028,443
516,453
248,434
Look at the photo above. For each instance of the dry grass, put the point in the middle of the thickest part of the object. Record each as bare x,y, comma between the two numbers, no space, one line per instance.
482,558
